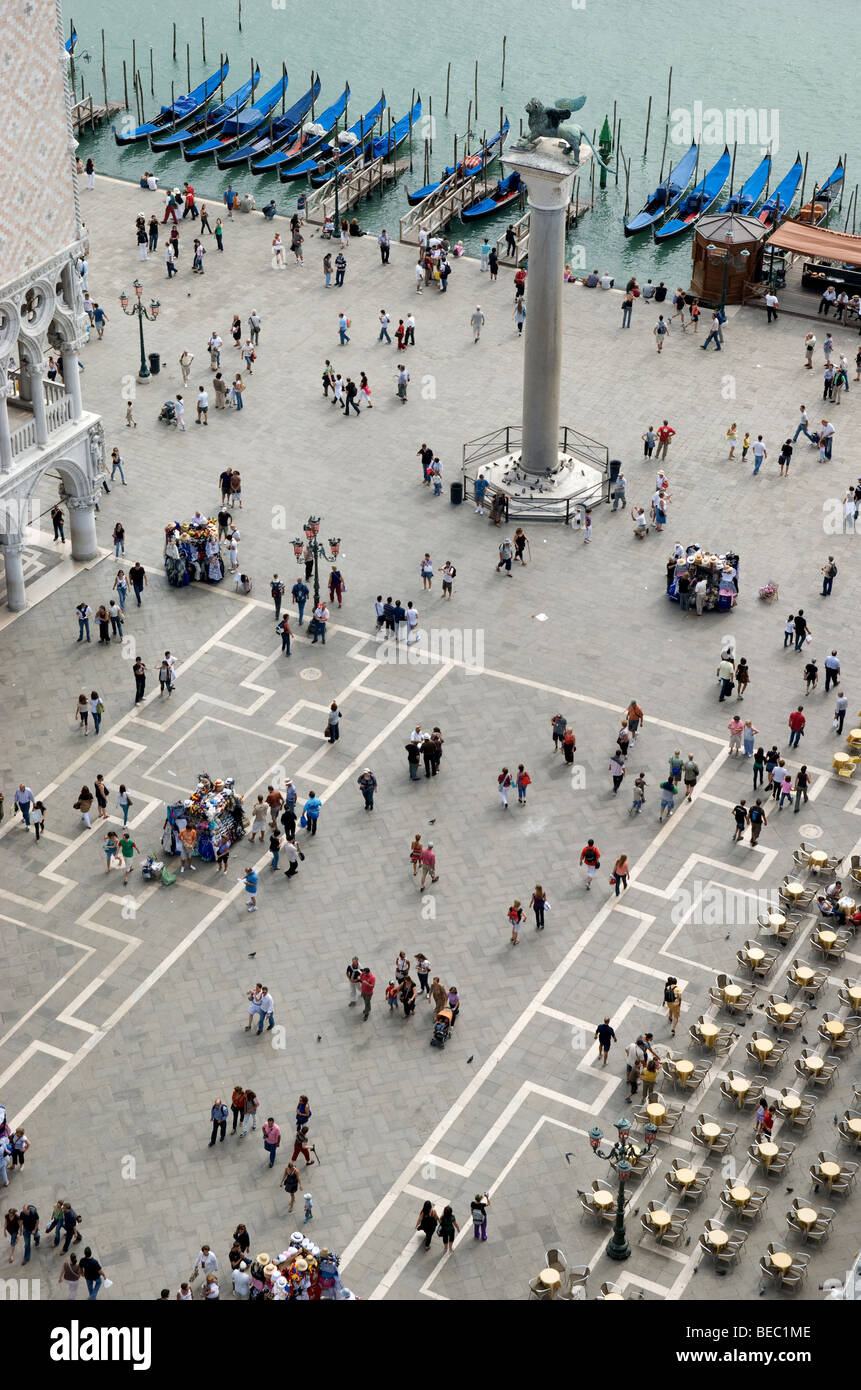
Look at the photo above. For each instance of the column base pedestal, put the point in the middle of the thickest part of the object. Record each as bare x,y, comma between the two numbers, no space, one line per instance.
575,483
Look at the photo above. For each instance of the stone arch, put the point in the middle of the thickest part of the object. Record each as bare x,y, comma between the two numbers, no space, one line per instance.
76,480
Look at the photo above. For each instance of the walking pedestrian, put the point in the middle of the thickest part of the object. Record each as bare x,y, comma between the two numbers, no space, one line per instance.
427,1222
367,980
523,781
590,855
757,820
271,1139
621,872
447,1228
291,1182
504,783
606,1037
368,784
218,1115
673,1001
829,574
477,323
428,862
539,905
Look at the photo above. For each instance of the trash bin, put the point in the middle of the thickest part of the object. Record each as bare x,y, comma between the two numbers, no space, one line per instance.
456,494
154,363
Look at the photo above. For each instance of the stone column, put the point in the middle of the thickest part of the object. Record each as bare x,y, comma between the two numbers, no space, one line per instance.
5,434
548,182
37,401
16,596
82,527
72,379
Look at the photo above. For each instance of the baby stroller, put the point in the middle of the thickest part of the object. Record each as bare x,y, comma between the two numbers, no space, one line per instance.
441,1028
168,413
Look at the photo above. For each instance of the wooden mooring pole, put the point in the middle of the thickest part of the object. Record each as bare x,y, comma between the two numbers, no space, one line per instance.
648,122
447,84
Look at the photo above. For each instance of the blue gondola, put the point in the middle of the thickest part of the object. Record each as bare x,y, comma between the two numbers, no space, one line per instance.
181,110
698,201
210,121
775,208
236,127
817,210
379,145
269,134
507,191
304,138
350,143
467,168
665,196
750,192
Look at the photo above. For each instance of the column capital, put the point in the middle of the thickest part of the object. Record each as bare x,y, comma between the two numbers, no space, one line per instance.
545,171
80,504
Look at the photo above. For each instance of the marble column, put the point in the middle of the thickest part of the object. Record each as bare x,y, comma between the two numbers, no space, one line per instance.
5,436
36,396
548,179
82,527
72,379
16,595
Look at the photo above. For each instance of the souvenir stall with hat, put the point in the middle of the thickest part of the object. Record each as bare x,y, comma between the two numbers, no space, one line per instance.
694,564
192,551
304,1272
214,810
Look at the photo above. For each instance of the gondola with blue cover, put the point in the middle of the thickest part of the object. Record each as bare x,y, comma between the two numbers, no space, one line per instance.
184,109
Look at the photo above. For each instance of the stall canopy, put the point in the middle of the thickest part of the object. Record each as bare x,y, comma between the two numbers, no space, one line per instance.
809,241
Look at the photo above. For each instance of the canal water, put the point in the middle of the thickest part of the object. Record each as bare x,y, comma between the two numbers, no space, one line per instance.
740,72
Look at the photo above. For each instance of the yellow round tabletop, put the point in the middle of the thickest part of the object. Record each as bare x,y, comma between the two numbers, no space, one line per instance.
848,904
732,991
842,758
740,1085
711,1131
855,1126
854,736
804,974
854,992
783,1009
806,1216
776,920
781,1260
830,1170
603,1199
818,856
656,1112
791,1102
717,1238
768,1150
708,1032
660,1219
835,1028
614,1297
755,954
827,938
740,1195
551,1278
814,1063
685,1176
683,1067
763,1046
794,890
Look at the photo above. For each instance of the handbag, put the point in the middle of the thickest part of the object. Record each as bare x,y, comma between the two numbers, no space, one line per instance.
303,821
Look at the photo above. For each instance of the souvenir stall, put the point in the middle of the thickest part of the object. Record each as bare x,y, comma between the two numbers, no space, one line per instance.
720,573
304,1271
193,552
215,811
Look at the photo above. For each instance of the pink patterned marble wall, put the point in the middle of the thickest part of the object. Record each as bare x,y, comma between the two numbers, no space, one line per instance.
37,203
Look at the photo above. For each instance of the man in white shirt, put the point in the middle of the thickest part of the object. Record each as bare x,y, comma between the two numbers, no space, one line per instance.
410,335
267,1011
417,736
412,624
771,303
83,613
384,245
206,1261
826,439
24,799
384,327
759,453
832,671
214,346
233,552
202,406
801,427
648,290
607,281
241,1281
827,300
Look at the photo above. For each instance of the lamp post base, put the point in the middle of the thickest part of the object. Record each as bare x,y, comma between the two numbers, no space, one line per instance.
144,373
617,1250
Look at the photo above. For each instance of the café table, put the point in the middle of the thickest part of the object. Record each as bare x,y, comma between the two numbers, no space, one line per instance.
818,859
741,1086
847,904
794,890
686,1176
776,920
835,1028
603,1200
717,1238
755,954
791,1103
711,1131
551,1279
683,1068
732,992
826,937
783,1009
805,1216
854,992
614,1297
709,1033
853,736
660,1220
768,1151
841,759
804,974
740,1195
656,1112
829,1171
763,1046
854,1125
781,1260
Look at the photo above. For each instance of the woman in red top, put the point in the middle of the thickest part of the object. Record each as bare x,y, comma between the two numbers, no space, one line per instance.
515,917
523,781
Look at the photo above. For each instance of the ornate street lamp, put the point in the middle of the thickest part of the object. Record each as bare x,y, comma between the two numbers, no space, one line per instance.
139,308
622,1157
316,548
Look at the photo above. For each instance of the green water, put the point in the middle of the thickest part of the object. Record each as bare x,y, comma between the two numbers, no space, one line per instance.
733,55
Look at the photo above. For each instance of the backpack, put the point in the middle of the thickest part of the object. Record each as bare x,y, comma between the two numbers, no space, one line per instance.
669,994
832,571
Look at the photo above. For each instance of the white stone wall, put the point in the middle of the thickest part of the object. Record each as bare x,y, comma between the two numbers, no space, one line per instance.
37,208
